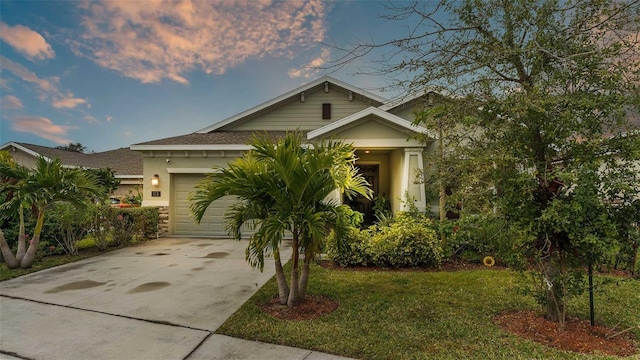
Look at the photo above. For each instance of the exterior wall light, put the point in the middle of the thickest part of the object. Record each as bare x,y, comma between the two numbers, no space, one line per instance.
155,180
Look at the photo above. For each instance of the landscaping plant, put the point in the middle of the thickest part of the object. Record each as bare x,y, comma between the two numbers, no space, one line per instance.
37,190
282,188
551,89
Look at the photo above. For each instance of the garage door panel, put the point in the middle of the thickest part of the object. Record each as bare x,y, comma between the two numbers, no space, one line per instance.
212,223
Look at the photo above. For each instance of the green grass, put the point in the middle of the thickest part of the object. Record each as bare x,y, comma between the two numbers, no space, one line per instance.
421,315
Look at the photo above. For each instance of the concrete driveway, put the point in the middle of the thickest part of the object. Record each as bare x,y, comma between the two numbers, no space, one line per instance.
161,300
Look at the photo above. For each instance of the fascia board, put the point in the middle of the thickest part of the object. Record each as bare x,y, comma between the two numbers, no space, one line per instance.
366,112
25,149
192,171
129,177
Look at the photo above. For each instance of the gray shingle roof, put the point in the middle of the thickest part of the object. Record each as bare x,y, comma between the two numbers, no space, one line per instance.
214,138
122,161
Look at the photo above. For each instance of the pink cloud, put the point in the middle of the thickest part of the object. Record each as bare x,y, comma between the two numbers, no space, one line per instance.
154,40
26,41
42,127
310,69
10,102
25,74
48,89
68,102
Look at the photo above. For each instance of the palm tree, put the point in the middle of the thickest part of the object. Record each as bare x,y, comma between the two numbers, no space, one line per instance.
282,188
37,190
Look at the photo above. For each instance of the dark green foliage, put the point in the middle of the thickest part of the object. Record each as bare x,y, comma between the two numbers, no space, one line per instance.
67,225
122,226
474,237
106,180
75,147
141,222
408,240
628,235
350,249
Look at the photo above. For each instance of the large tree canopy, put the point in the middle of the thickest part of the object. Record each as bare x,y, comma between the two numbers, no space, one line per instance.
550,92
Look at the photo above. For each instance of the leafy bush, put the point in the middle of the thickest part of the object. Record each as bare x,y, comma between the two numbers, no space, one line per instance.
474,237
127,222
408,239
350,249
68,225
101,225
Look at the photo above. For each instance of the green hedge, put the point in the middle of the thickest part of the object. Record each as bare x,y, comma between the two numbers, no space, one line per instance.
407,240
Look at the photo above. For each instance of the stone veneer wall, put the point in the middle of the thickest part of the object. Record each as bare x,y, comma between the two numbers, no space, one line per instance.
163,221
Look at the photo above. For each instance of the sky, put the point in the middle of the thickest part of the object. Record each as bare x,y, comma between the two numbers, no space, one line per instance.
108,74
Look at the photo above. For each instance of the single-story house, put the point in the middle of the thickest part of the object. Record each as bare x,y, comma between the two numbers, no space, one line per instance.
380,129
126,164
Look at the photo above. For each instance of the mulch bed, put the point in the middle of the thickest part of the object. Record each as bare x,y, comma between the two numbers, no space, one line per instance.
577,335
313,307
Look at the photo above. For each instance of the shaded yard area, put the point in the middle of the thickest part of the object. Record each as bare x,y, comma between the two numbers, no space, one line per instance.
425,314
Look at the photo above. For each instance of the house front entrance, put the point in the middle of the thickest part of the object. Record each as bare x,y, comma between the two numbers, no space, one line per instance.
371,173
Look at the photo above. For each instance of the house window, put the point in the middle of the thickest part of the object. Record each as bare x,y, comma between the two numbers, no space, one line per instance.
326,111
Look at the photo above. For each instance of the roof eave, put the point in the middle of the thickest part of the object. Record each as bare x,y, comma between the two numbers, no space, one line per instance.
201,147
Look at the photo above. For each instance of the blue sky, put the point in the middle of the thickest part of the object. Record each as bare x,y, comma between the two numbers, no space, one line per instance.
113,73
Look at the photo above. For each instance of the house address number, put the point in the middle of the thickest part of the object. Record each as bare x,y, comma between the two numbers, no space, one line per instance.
155,194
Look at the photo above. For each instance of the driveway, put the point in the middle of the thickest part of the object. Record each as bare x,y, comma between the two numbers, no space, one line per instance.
161,300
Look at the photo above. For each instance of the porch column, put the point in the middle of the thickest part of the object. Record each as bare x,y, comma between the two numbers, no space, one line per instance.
413,179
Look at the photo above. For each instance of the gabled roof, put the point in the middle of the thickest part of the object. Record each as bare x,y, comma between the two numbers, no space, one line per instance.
295,92
407,125
412,98
124,162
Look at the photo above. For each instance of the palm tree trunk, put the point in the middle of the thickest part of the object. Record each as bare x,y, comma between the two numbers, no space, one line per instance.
283,288
9,258
294,296
22,248
304,276
30,256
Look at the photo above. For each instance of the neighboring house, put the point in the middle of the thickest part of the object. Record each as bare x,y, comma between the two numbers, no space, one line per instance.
380,129
126,164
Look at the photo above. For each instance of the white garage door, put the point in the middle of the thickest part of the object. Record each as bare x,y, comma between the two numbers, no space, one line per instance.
212,223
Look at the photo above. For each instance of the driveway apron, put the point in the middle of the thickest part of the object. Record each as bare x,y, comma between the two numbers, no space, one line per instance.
160,300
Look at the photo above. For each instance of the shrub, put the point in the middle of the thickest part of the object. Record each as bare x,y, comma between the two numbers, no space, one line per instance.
101,225
408,239
127,222
68,225
473,237
350,249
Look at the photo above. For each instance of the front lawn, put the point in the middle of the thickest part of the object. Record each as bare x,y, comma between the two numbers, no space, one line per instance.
422,314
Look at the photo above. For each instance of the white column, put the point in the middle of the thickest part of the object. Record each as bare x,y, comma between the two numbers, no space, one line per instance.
413,179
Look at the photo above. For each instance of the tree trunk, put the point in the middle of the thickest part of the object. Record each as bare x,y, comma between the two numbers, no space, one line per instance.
294,298
30,256
9,258
304,277
552,272
442,196
22,248
283,288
